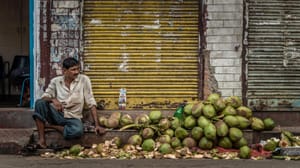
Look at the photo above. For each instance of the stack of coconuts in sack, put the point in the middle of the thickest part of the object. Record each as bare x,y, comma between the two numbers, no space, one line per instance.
214,122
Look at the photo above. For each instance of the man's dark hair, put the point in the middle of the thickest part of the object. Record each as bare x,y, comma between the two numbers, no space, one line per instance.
70,62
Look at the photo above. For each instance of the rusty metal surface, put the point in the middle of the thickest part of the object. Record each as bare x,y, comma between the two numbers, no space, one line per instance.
148,47
273,64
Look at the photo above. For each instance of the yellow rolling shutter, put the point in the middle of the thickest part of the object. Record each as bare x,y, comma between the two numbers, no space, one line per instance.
149,47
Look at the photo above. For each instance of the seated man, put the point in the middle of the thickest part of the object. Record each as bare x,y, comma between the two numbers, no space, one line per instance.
61,106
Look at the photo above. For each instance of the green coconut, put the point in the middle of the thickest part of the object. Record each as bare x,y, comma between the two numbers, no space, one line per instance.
175,123
175,142
165,148
197,109
257,124
205,143
126,119
203,122
102,121
117,141
229,110
245,152
164,124
147,133
181,133
155,116
243,122
164,139
169,132
135,140
189,142
187,109
75,149
270,145
269,123
210,132
242,142
225,142
142,119
244,111
209,111
113,123
197,133
233,101
116,115
189,122
213,97
235,134
148,145
222,128
219,105
231,121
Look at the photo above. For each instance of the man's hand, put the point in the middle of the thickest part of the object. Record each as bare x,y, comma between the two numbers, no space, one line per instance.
57,105
99,130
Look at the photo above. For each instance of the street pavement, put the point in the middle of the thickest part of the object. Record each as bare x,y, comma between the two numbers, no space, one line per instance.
18,161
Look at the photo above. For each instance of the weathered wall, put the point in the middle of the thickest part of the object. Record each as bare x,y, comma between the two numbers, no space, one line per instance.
59,37
224,41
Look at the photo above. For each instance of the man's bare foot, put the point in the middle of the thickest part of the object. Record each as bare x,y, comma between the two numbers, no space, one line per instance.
41,145
100,130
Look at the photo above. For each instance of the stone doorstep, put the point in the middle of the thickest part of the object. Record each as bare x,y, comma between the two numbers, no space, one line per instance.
12,141
90,138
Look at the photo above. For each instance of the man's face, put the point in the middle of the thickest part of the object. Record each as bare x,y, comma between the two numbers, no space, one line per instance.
72,72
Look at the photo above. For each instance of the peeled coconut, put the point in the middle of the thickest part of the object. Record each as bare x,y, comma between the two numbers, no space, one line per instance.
113,123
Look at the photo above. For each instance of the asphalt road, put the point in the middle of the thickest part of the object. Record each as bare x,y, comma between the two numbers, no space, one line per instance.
16,161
